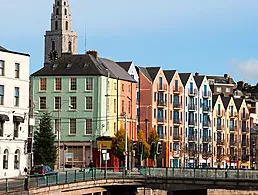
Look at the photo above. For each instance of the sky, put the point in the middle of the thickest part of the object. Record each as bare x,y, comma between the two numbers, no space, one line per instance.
210,37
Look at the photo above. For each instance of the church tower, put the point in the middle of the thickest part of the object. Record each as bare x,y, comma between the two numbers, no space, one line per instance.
60,39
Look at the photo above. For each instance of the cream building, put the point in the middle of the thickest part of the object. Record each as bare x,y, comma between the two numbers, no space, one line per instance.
14,108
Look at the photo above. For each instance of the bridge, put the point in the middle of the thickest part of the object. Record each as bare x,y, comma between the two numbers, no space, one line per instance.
177,181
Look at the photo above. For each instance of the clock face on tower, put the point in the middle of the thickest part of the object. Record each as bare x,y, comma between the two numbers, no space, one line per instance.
52,56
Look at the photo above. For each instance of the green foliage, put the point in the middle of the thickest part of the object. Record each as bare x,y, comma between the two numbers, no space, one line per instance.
153,138
44,142
118,144
146,146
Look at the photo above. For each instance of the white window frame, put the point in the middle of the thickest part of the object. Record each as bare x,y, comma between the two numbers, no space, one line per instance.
42,90
70,127
86,133
16,98
2,68
86,79
55,103
88,109
228,89
40,103
2,96
71,105
60,84
2,128
70,84
219,90
17,71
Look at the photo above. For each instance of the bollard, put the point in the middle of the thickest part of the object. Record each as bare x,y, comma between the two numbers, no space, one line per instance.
26,183
6,184
75,176
66,177
57,178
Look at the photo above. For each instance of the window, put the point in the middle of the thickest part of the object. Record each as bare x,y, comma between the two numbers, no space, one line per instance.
171,99
66,28
69,44
57,11
114,86
170,147
114,105
129,107
170,114
170,132
72,126
17,70
53,45
5,159
88,103
1,128
88,126
57,103
218,89
43,84
1,95
155,113
73,84
155,95
73,102
89,84
57,124
129,88
65,11
16,96
1,68
17,159
123,104
58,3
16,129
123,87
228,90
58,84
43,102
56,25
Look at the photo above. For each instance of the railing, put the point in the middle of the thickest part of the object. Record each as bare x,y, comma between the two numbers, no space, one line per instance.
206,109
232,143
191,154
206,155
177,105
206,94
192,138
176,137
192,92
192,107
177,121
160,119
162,87
192,122
220,142
234,128
232,114
220,127
221,113
244,116
72,176
206,124
177,90
245,130
206,139
162,103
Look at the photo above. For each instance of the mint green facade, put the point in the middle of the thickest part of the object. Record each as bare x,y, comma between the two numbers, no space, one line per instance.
97,114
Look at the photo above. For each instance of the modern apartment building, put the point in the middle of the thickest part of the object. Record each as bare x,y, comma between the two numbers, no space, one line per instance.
82,92
14,108
154,106
191,119
176,117
204,121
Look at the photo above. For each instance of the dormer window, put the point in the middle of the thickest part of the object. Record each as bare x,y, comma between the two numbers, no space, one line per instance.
54,66
68,65
85,65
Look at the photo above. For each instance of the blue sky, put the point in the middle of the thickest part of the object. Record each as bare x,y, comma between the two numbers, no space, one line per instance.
210,37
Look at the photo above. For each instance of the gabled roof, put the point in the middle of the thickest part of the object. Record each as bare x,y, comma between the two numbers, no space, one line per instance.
220,79
214,100
13,52
238,102
83,65
169,74
225,101
153,71
198,80
144,71
125,65
184,77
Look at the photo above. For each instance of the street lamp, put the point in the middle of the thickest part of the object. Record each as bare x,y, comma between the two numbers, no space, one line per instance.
124,115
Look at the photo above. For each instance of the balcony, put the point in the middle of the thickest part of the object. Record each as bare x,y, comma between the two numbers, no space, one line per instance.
206,154
232,143
177,106
161,120
177,121
191,154
206,109
220,142
245,130
162,103
233,128
232,115
245,158
176,137
206,94
192,92
220,114
206,124
192,138
137,101
244,116
206,139
244,144
177,90
192,123
162,87
192,107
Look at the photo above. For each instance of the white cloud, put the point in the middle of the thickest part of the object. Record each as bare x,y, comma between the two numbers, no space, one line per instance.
247,70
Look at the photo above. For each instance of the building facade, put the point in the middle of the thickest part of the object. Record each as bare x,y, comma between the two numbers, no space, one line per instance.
14,110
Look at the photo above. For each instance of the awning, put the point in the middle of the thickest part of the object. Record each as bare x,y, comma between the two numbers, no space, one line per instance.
4,117
18,119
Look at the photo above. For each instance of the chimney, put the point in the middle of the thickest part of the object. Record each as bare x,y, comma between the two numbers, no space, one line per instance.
240,85
225,75
196,74
94,53
230,80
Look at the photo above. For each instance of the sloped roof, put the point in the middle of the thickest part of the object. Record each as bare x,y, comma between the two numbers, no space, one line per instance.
125,65
169,74
184,77
153,71
13,52
225,101
198,80
220,79
238,102
144,71
214,100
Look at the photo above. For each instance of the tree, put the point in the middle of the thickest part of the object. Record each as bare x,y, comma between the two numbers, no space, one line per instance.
44,142
118,144
153,140
146,146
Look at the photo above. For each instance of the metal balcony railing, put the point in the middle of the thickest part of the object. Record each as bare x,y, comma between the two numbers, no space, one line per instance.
192,138
177,121
192,107
220,142
177,90
232,114
177,105
244,116
162,87
206,94
206,109
176,137
192,122
206,139
162,103
192,92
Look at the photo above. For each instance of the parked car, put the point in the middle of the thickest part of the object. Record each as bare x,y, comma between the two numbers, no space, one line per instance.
42,170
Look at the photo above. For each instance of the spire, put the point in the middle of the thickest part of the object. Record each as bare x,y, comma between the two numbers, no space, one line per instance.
61,19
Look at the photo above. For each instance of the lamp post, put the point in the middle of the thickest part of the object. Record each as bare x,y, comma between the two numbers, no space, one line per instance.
124,115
